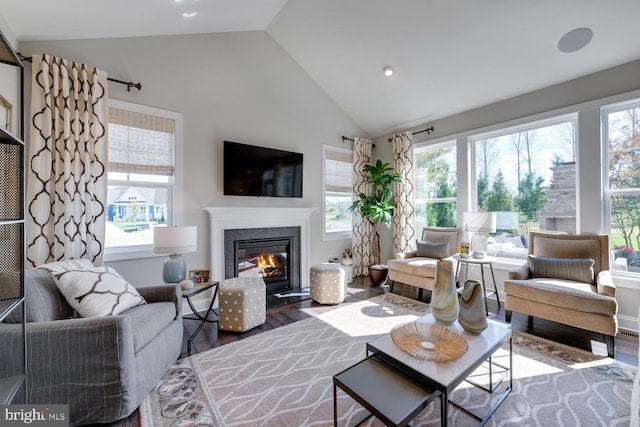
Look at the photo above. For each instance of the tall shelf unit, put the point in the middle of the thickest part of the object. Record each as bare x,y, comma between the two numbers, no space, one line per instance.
13,388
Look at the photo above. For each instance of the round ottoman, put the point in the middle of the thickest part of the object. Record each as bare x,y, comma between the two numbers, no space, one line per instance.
242,304
328,283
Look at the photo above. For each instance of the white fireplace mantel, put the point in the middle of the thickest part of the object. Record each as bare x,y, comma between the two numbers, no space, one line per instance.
229,218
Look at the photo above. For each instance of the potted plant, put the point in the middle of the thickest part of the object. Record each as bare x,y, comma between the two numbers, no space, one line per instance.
377,208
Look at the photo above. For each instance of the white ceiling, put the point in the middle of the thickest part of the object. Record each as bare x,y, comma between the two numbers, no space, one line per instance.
449,56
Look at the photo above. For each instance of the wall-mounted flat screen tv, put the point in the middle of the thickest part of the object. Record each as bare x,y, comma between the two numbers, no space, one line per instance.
259,171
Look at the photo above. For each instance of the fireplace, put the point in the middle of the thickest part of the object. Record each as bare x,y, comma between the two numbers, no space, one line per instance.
270,253
266,258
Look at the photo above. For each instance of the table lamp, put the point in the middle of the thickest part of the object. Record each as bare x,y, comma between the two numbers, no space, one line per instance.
479,222
175,241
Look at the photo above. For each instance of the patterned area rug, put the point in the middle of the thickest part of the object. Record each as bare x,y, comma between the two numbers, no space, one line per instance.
283,377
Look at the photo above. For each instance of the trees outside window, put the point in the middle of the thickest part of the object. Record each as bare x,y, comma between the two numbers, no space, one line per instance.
527,175
621,125
436,185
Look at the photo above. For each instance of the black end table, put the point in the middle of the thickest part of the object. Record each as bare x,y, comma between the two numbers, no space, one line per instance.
209,316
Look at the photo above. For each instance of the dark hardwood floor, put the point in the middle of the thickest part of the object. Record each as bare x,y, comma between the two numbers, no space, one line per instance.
209,337
279,314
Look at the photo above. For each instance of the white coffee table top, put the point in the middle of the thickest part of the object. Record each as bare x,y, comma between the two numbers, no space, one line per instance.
449,374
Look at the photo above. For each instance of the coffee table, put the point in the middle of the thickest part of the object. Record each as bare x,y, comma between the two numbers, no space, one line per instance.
445,377
386,393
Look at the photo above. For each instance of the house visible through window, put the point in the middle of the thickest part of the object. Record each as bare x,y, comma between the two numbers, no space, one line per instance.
621,125
141,174
337,184
527,175
436,183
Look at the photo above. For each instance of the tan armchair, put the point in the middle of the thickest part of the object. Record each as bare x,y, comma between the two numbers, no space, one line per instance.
410,269
587,304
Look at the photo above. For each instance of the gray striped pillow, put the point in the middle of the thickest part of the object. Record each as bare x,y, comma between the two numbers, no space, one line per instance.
576,269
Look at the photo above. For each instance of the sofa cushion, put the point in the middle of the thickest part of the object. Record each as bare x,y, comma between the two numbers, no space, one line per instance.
576,269
437,250
44,300
562,293
148,320
423,267
451,235
98,291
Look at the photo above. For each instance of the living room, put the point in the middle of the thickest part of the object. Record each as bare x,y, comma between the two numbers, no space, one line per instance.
259,87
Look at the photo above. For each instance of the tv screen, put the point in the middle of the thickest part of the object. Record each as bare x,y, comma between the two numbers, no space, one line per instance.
259,171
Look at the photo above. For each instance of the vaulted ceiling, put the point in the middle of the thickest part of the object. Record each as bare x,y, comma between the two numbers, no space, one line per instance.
448,56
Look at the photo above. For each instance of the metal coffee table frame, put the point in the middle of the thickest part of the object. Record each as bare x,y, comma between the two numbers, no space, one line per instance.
401,361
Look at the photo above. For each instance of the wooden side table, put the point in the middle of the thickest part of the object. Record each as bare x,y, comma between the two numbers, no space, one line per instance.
190,293
481,262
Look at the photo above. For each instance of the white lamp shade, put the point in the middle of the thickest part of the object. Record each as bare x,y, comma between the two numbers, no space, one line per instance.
175,240
483,222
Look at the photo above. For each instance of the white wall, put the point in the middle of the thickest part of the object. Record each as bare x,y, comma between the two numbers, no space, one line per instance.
237,86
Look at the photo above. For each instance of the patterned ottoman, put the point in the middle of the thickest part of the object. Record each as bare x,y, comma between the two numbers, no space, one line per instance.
243,303
328,283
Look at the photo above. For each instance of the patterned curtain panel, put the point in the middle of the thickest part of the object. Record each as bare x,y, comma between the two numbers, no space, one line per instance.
66,173
404,218
362,230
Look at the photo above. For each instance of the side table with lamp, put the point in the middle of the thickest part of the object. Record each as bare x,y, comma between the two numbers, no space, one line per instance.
176,241
478,223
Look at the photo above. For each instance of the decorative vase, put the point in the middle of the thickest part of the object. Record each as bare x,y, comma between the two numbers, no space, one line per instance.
378,274
444,299
473,313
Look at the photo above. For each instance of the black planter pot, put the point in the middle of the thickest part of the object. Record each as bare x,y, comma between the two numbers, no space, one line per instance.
378,276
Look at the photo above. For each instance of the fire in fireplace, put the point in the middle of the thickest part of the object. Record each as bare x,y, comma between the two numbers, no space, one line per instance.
267,258
272,253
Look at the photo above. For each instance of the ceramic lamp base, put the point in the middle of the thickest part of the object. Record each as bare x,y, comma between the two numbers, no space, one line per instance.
174,269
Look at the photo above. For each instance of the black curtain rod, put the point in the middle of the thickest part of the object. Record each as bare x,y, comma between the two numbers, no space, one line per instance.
428,130
346,138
128,84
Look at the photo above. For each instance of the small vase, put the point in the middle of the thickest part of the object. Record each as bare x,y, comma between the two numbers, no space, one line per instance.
473,312
378,275
444,299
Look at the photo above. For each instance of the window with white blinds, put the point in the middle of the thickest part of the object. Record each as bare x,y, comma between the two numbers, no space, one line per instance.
337,181
141,176
140,143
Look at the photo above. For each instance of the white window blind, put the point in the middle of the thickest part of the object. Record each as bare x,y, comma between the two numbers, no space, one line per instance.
338,171
140,143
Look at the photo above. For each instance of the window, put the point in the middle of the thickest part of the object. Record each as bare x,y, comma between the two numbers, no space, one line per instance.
141,176
337,177
527,175
621,129
436,185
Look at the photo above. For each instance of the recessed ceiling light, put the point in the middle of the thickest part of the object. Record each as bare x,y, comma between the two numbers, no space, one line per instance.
575,40
388,71
189,15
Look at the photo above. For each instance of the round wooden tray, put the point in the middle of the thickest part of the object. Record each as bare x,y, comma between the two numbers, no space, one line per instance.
429,341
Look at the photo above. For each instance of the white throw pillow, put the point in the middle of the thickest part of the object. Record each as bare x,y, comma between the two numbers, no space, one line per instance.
98,291
58,267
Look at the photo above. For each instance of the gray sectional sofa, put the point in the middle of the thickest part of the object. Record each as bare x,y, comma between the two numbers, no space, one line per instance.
103,367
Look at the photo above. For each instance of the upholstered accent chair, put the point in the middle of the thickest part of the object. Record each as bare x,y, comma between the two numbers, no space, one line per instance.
104,366
566,280
418,268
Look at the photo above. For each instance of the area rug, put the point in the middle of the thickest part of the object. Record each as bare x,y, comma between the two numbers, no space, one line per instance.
283,377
